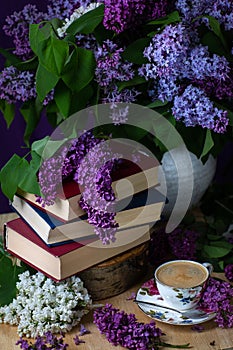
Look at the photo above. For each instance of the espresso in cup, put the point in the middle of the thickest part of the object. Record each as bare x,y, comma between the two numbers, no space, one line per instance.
181,282
182,274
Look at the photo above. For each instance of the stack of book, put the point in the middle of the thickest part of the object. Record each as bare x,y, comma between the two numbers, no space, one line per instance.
58,241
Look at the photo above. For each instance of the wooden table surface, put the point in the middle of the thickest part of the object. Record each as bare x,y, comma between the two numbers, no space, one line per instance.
211,337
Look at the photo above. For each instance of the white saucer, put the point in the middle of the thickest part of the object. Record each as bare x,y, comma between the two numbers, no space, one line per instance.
149,293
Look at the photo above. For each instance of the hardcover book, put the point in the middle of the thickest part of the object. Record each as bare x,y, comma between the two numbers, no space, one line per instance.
62,261
66,205
143,208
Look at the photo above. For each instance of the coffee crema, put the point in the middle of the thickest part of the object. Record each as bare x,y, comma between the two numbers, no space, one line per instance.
182,274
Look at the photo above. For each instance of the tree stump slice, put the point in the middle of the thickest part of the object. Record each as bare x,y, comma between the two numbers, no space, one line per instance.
116,275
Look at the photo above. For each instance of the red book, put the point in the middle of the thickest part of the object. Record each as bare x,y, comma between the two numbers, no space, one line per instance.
60,262
66,205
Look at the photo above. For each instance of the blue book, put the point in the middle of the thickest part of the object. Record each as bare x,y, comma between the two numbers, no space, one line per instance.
140,209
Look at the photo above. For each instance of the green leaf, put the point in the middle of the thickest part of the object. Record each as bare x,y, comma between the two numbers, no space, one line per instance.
29,182
82,98
30,64
170,18
37,35
221,264
8,111
133,82
87,23
209,143
134,52
52,147
53,53
39,145
214,43
11,174
213,237
157,103
79,69
11,58
62,97
31,112
45,81
9,272
216,251
215,26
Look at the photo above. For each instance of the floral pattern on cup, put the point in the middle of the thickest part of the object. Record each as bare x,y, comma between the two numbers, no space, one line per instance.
187,296
150,288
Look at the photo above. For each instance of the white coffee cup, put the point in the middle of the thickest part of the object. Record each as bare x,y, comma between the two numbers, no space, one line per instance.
182,282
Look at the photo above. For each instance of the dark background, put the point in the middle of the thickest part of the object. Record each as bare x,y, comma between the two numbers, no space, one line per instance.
11,140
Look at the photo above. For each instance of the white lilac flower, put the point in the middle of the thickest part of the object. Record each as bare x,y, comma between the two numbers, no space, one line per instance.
43,305
76,14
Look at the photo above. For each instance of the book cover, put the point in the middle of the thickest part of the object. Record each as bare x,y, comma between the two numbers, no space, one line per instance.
142,208
62,261
66,205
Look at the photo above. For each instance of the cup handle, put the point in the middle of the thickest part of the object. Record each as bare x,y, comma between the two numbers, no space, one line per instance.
209,267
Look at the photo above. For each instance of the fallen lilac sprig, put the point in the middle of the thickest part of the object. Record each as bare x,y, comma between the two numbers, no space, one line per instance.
83,330
229,272
123,329
218,297
47,341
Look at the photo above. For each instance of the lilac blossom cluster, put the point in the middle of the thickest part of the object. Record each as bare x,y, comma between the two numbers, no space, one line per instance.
17,27
218,298
183,243
98,197
222,10
185,73
80,159
20,85
228,270
123,329
193,107
47,341
110,66
17,85
120,15
111,69
62,164
64,9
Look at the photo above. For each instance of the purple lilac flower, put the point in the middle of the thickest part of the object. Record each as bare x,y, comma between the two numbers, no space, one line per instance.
229,272
120,15
166,53
98,198
112,95
222,10
87,42
110,65
192,9
47,341
123,329
217,297
83,330
77,340
17,27
63,9
61,165
199,65
183,243
17,85
193,107
80,159
165,89
111,69
220,89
